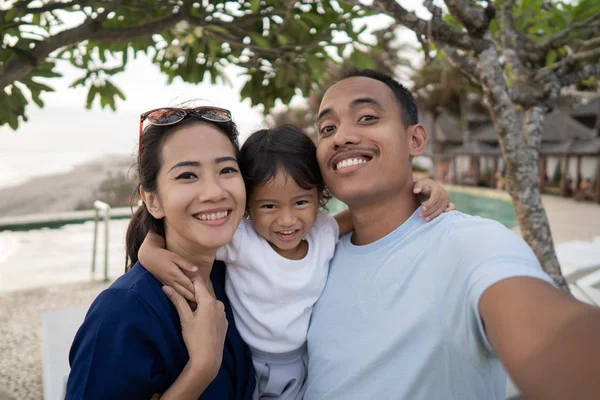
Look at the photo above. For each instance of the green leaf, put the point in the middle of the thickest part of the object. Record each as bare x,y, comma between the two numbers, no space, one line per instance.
217,28
551,57
283,40
255,6
115,90
260,40
360,59
90,97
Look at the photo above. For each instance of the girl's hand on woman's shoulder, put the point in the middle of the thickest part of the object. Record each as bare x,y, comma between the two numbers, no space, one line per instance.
203,329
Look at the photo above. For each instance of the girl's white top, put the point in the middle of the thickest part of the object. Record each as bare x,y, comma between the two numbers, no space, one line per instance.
272,297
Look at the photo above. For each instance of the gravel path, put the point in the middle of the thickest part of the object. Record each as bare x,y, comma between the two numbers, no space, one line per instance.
20,334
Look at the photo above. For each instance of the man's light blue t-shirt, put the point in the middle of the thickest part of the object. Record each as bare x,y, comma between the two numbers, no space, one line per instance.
399,319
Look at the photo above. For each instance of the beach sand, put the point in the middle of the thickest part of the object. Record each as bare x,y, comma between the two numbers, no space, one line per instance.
20,334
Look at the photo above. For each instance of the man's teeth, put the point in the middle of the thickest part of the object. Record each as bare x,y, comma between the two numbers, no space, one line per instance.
212,216
350,162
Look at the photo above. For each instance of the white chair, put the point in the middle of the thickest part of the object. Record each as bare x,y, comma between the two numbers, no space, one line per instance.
58,330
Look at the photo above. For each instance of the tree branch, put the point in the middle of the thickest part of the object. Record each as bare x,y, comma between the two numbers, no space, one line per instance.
585,72
476,20
53,7
461,62
426,49
568,60
555,39
90,29
512,42
136,32
437,29
566,92
435,11
591,42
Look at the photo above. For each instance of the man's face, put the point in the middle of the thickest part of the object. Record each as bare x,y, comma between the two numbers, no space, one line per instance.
363,149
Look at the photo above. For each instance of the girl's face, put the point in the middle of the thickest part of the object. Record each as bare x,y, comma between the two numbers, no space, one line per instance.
201,194
283,213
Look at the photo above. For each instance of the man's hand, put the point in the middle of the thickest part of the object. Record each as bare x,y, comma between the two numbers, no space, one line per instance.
548,341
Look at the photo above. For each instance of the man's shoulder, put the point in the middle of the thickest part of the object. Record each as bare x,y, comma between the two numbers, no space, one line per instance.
459,225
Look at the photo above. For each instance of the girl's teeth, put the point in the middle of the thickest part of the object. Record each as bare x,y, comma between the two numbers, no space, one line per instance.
213,216
350,162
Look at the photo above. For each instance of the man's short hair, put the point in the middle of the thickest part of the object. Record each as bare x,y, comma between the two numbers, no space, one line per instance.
408,107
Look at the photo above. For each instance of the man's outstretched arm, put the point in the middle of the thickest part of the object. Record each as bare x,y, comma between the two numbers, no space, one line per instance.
548,341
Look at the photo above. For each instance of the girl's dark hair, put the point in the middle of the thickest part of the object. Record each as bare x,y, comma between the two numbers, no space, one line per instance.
286,148
149,162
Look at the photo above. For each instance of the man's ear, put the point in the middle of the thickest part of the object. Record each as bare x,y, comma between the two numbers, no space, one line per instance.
152,203
418,139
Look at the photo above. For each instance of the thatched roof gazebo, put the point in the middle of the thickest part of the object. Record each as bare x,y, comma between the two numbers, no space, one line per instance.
558,127
575,147
476,149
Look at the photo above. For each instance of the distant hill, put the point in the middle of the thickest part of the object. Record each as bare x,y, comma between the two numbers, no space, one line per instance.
110,178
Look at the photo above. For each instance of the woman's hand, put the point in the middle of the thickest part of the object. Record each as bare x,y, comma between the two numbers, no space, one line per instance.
166,266
437,199
203,329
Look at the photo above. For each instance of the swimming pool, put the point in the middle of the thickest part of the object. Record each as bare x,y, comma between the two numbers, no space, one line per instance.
45,257
485,207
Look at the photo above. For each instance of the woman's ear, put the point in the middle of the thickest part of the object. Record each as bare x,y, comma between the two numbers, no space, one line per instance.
152,203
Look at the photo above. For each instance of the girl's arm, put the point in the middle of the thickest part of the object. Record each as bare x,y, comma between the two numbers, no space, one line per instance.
434,197
166,266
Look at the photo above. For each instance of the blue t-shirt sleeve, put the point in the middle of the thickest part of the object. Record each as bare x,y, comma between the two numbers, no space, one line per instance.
114,353
490,253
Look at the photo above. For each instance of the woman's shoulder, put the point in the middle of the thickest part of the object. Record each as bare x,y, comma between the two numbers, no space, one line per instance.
134,291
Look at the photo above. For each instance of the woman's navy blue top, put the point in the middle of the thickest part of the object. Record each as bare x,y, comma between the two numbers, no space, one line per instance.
130,344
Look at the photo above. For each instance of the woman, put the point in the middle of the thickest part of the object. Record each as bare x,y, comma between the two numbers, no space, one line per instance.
135,343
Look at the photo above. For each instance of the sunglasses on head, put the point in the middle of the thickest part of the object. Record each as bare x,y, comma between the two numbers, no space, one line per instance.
173,115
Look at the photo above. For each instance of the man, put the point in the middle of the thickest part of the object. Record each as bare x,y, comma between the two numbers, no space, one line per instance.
416,310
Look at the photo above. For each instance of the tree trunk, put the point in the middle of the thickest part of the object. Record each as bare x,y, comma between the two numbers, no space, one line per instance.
520,148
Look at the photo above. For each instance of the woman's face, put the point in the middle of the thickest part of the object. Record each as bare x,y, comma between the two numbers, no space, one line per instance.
200,194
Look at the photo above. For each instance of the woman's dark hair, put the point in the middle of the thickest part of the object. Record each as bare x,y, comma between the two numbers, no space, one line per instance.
149,162
286,148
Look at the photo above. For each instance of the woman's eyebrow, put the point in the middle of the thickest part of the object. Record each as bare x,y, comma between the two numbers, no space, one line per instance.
185,164
218,160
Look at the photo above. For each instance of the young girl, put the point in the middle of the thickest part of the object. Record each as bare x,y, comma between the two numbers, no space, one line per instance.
278,258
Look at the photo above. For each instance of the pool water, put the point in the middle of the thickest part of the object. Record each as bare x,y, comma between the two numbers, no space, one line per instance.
45,257
485,207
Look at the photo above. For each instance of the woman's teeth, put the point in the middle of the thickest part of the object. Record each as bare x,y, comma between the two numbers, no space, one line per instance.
350,162
212,216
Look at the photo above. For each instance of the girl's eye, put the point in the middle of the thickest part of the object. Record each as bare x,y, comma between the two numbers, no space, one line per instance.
367,118
301,202
229,170
327,130
186,175
268,206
